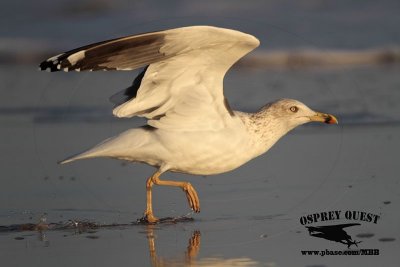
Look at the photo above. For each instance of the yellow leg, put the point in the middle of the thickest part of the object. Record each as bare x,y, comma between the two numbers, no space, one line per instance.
148,214
191,195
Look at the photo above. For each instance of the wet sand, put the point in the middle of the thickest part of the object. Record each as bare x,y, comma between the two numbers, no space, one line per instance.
339,57
250,216
84,214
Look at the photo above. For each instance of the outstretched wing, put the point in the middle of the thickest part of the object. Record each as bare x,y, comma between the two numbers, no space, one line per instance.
182,87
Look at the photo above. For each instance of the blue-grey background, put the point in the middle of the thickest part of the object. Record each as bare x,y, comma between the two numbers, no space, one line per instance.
250,217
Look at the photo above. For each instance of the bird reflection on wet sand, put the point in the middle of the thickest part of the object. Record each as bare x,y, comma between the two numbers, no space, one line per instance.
81,227
189,257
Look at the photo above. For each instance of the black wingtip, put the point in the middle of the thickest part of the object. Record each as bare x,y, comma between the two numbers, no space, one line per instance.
48,66
53,64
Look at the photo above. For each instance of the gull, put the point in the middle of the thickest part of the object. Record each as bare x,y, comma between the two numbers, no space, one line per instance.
190,126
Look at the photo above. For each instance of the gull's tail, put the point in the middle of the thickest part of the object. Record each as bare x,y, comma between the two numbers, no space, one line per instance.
126,144
99,150
83,155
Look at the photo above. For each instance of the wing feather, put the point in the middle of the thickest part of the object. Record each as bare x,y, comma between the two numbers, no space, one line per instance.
125,53
182,88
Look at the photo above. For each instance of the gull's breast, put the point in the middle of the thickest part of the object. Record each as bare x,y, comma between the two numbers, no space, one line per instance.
206,153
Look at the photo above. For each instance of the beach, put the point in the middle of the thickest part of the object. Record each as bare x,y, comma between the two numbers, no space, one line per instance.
250,215
85,213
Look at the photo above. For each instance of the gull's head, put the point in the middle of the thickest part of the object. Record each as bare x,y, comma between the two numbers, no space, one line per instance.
294,113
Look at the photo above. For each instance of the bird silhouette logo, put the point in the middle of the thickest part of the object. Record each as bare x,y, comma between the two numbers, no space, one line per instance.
334,233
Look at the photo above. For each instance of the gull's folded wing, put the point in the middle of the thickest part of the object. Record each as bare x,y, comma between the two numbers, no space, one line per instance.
182,88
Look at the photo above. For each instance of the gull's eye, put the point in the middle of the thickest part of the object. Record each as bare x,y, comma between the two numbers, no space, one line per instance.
294,109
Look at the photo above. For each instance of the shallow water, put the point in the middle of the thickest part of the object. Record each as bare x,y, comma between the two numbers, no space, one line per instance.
84,214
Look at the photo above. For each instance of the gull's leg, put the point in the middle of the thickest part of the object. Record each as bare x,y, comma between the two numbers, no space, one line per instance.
191,194
148,214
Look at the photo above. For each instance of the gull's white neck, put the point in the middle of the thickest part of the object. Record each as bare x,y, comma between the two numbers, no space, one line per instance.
263,128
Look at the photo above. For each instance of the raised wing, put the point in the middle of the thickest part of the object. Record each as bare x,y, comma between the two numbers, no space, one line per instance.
182,88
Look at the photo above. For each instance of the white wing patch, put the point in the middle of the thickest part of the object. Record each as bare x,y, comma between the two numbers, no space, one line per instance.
185,92
76,57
